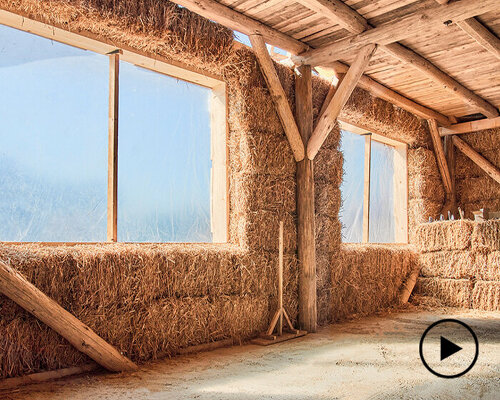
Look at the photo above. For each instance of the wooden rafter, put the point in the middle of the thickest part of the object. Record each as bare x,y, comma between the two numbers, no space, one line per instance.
327,121
18,289
230,18
278,95
347,15
441,158
471,126
418,23
482,35
477,158
447,82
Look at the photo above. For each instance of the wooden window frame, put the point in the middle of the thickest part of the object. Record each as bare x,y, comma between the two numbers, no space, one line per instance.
400,182
219,198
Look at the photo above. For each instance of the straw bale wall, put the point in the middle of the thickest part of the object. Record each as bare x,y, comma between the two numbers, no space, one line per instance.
475,189
152,300
460,263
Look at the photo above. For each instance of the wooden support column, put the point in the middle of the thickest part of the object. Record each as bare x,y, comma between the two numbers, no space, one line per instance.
305,205
441,160
19,290
450,160
114,65
477,158
366,190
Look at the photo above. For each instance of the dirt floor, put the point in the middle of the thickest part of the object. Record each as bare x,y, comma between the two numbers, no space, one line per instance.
369,358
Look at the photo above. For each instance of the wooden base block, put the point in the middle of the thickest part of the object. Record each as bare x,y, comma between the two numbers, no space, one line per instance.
273,339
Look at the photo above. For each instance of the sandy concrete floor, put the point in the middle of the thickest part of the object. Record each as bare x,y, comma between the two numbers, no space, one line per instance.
370,358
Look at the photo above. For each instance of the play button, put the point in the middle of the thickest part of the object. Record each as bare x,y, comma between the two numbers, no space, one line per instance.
449,348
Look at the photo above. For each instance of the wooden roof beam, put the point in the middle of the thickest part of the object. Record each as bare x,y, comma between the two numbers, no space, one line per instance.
327,120
385,93
235,20
477,158
418,23
279,97
471,126
406,55
482,35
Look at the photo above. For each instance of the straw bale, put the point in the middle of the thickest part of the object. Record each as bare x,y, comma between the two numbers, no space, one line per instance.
328,166
328,233
153,26
367,278
451,292
260,153
445,235
485,140
324,306
422,161
263,192
466,168
320,89
426,187
448,264
487,265
327,199
259,230
486,235
480,189
486,296
420,210
384,118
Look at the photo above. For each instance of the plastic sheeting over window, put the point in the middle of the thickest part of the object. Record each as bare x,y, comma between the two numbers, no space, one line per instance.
351,214
381,213
382,193
163,159
53,140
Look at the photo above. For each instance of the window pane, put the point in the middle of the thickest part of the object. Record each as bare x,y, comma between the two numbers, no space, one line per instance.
351,215
382,193
163,158
53,140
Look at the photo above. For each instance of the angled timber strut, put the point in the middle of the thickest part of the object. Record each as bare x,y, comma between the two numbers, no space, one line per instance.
441,161
19,290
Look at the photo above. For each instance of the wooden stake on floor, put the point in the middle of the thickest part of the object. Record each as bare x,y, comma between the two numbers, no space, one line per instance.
290,332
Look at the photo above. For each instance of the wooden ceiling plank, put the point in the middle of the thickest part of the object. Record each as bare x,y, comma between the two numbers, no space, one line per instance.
235,20
412,25
328,119
482,35
279,97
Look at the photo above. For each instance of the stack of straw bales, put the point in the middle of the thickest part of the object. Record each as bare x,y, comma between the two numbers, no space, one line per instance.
461,263
367,278
475,189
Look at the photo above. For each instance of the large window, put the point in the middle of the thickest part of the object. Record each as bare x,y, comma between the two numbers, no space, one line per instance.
374,188
62,178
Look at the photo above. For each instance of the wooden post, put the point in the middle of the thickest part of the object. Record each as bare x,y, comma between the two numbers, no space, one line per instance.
114,65
440,158
366,191
477,158
19,290
280,279
305,205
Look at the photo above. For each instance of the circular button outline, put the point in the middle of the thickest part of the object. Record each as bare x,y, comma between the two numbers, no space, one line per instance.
420,349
